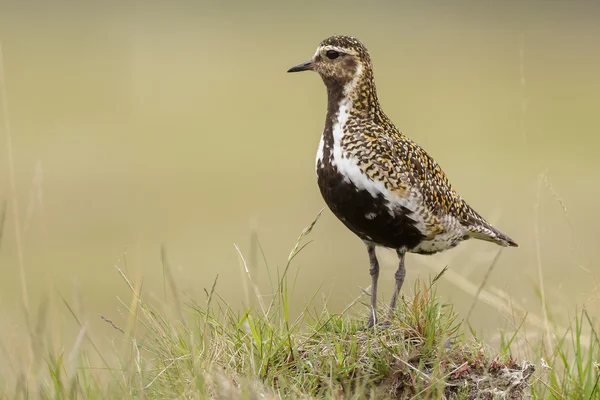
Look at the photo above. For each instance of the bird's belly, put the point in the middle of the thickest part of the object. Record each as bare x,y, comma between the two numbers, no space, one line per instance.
441,242
369,216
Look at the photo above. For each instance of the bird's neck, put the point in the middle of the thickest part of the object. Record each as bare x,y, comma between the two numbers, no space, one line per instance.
357,98
359,93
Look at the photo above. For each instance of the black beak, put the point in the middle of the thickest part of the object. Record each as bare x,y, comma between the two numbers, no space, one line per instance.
305,66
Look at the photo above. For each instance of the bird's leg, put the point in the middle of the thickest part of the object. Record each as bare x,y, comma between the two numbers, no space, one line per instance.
399,275
374,271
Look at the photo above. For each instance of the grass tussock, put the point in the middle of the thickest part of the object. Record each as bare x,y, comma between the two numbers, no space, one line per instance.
208,349
418,354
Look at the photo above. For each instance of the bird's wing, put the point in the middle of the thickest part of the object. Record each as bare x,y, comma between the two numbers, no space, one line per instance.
422,172
403,169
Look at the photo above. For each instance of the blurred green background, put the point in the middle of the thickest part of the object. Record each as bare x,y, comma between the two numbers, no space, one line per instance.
175,123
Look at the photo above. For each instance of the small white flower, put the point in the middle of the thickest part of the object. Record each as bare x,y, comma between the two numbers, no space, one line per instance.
544,364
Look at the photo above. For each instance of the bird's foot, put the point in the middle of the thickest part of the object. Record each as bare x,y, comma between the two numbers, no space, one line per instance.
378,325
371,322
384,324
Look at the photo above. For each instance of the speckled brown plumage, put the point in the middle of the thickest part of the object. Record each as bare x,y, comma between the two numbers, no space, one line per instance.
378,182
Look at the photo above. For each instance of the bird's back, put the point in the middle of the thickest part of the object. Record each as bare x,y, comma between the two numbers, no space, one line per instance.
412,170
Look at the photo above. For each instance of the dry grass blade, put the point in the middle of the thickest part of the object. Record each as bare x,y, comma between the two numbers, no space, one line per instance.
298,247
483,282
439,275
540,270
2,220
576,241
420,374
171,280
85,332
249,275
13,185
111,323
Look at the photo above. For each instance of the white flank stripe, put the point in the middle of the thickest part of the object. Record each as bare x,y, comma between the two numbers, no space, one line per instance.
320,152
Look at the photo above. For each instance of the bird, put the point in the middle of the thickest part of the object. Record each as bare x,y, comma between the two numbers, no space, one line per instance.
379,183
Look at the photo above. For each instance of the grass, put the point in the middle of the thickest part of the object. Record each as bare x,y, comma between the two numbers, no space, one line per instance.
186,349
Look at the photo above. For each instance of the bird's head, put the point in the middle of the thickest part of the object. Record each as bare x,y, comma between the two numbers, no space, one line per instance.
340,60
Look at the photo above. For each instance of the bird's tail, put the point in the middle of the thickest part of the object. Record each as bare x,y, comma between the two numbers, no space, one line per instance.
485,231
480,229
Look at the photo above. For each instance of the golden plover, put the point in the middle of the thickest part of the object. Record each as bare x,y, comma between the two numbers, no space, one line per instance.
383,186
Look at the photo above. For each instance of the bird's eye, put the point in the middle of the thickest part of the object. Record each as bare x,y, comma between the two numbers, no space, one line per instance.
332,54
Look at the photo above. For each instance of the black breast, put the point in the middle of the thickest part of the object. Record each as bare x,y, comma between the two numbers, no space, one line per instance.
367,216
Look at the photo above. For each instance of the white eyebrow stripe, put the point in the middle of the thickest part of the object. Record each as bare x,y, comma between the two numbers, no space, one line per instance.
335,48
